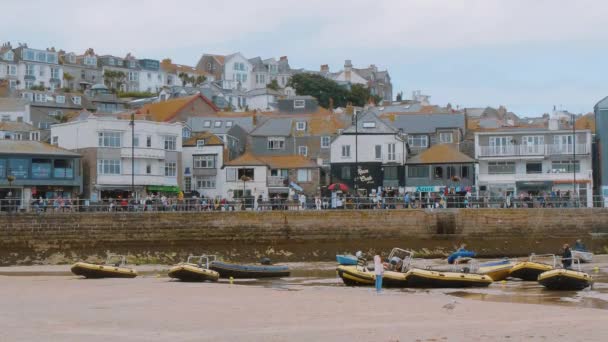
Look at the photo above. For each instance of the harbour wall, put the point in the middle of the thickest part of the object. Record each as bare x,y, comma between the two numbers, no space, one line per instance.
167,237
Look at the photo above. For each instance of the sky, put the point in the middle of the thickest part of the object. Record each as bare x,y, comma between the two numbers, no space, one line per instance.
528,55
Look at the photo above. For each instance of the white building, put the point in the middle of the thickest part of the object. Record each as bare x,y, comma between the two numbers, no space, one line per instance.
37,68
368,155
13,109
237,72
533,162
106,146
202,162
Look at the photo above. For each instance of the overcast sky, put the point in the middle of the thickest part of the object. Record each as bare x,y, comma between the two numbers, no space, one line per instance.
527,55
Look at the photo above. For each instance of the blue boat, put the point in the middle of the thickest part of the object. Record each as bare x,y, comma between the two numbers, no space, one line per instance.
227,270
344,259
461,253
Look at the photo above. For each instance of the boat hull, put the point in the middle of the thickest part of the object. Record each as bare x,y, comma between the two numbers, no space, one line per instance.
93,271
432,279
227,270
352,276
193,273
582,256
528,270
346,259
496,272
564,280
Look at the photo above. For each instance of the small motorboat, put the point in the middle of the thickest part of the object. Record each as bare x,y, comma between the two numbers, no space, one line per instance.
497,270
227,270
433,279
564,279
346,259
357,276
196,268
582,256
108,270
460,254
530,270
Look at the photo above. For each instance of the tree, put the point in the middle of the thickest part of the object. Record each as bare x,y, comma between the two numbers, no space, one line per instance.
68,77
114,79
274,85
400,96
185,78
321,88
198,80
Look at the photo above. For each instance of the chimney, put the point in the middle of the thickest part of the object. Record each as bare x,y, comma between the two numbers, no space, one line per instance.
553,123
324,68
283,58
348,67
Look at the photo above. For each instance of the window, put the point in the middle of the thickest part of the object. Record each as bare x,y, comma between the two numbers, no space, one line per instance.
110,139
369,124
497,168
418,140
60,99
207,123
41,168
345,172
41,70
205,182
132,76
325,141
6,118
200,143
29,55
40,97
76,100
446,137
9,56
245,173
149,76
299,103
29,70
301,126
108,167
204,161
35,136
148,169
63,168
135,141
390,172
563,143
533,144
19,168
29,84
228,123
451,170
170,142
304,175
303,150
276,143
170,169
564,166
345,151
217,124
148,141
421,171
438,172
534,168
231,174
188,184
501,145
12,70
465,171
392,155
132,64
279,173
378,151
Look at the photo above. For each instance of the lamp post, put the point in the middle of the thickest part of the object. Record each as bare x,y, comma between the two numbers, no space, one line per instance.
10,179
244,179
574,162
132,124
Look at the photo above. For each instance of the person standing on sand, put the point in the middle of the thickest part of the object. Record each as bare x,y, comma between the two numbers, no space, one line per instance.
567,257
379,271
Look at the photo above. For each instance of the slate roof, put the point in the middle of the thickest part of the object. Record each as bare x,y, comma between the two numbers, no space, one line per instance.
210,139
441,153
274,127
33,147
381,126
197,123
14,126
427,123
10,104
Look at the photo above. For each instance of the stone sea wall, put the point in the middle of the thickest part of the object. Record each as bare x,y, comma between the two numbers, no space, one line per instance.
167,237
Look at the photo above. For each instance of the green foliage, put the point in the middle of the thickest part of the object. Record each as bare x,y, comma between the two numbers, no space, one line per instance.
67,76
194,81
114,79
400,96
324,89
136,94
38,87
274,85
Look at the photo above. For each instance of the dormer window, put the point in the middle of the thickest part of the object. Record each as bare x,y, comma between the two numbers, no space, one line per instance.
207,123
218,124
228,123
76,100
369,124
301,125
299,103
9,56
200,143
111,61
132,64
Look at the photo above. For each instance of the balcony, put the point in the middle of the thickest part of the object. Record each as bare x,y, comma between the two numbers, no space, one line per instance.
125,179
277,181
143,153
391,158
531,150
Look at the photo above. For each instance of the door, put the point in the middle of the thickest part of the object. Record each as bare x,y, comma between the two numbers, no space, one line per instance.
563,143
392,156
500,145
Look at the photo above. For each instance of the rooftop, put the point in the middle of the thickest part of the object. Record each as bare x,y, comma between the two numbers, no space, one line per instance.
273,162
14,126
166,110
209,138
33,147
441,153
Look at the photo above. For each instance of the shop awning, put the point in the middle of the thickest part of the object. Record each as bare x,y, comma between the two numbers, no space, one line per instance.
534,185
163,188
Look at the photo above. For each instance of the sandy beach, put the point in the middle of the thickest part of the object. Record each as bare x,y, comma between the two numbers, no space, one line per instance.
66,308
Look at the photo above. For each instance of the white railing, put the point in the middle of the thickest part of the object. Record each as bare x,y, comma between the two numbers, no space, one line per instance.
276,181
144,153
531,150
391,158
139,180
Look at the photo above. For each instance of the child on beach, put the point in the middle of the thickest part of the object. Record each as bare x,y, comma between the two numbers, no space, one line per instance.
379,270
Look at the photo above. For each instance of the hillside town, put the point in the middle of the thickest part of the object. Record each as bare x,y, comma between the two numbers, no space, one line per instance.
236,132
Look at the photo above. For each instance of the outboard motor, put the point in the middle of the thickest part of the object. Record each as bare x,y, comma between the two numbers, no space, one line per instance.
265,261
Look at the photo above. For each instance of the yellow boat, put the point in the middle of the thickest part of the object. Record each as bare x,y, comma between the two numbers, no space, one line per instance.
108,270
357,276
530,270
496,272
194,271
564,279
433,279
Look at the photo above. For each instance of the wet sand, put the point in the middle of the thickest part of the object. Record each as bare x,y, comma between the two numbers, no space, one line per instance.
66,308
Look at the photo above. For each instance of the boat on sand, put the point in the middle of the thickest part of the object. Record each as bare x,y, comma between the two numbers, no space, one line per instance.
196,268
113,268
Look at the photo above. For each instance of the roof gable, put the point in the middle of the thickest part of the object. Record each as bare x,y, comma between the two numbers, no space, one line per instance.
165,111
370,123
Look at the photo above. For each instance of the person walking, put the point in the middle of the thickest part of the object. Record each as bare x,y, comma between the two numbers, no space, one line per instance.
567,257
379,271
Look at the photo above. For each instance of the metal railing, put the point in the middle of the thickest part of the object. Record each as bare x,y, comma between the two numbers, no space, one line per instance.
531,150
49,206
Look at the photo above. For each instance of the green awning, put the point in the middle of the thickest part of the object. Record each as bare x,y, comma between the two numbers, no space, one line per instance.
163,188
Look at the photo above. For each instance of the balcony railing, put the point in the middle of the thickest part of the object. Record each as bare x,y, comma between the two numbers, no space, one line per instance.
144,153
391,158
531,150
277,181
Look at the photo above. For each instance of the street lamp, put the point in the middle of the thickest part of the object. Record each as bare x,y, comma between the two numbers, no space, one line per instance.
574,161
132,124
10,178
244,179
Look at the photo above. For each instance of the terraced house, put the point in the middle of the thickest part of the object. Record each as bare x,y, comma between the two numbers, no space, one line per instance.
37,67
81,72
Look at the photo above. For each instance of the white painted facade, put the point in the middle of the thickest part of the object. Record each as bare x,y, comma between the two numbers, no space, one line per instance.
151,80
156,162
200,178
257,186
237,71
510,166
39,68
350,76
392,149
261,102
12,113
